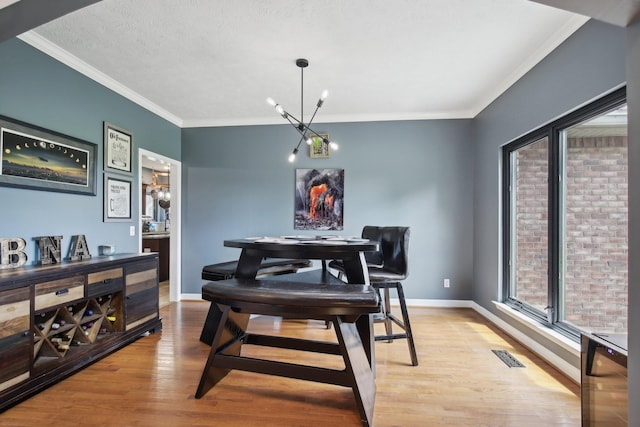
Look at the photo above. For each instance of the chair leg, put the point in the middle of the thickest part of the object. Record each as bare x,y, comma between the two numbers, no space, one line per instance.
407,325
389,319
388,324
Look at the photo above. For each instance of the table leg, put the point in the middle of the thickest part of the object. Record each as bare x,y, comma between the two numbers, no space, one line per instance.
355,269
248,265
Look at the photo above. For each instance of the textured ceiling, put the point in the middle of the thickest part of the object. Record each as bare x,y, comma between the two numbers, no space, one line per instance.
211,63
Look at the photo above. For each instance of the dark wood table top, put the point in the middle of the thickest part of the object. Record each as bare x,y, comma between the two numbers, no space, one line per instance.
304,247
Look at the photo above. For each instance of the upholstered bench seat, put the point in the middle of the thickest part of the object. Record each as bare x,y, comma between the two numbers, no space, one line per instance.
235,300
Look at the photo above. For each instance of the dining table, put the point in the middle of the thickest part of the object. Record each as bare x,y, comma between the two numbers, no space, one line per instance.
349,250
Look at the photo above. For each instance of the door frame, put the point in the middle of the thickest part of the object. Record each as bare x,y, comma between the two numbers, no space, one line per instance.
175,228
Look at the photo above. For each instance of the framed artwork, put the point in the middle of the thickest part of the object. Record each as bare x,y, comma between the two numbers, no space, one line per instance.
35,158
118,150
318,149
117,199
319,199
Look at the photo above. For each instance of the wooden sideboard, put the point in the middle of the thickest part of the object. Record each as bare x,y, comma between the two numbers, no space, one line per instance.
57,319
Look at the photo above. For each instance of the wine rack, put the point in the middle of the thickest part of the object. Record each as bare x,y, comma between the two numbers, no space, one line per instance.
57,319
60,330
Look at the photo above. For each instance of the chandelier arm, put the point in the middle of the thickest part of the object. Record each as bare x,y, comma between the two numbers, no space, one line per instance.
316,134
295,122
308,125
312,117
299,142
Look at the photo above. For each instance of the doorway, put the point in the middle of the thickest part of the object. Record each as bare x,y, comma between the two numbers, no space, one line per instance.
171,213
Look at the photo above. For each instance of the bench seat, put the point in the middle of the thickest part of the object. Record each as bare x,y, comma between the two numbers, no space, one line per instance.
348,307
268,267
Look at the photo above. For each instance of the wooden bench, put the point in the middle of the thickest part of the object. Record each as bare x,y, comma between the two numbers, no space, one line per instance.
348,307
268,267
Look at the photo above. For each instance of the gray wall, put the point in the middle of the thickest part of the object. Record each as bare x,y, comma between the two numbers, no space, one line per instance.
39,90
238,183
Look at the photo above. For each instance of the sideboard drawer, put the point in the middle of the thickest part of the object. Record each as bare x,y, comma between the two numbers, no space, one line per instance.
50,294
103,282
14,312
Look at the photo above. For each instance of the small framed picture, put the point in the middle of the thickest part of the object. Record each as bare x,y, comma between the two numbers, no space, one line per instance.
117,199
318,148
118,150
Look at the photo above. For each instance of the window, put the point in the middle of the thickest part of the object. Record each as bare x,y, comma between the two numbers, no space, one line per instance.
565,220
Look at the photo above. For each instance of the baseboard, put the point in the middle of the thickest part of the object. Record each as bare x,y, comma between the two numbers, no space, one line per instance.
560,364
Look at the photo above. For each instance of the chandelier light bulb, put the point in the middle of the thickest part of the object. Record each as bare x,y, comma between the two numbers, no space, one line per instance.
309,141
280,110
292,156
271,102
167,195
334,145
324,95
161,194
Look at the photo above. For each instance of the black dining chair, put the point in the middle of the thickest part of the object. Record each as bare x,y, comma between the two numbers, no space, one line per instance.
388,267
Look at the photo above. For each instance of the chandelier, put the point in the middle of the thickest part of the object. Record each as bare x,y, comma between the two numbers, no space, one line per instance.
306,133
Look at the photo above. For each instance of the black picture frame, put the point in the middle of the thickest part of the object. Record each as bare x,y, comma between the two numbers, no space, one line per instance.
117,194
35,158
118,149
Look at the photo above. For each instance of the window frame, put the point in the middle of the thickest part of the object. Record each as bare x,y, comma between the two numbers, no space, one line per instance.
551,131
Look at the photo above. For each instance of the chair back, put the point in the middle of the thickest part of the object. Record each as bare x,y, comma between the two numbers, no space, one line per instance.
394,248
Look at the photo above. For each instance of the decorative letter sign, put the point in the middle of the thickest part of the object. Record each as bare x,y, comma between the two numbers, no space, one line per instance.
11,252
49,249
79,250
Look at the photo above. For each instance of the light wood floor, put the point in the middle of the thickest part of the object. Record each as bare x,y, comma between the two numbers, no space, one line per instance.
163,294
459,382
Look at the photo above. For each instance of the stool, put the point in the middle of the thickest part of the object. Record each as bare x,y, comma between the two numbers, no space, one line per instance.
387,268
347,307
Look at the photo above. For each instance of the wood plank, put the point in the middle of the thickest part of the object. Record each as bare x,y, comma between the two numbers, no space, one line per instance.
99,276
14,311
55,292
141,281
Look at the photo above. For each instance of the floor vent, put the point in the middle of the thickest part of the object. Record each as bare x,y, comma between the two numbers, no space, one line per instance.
508,359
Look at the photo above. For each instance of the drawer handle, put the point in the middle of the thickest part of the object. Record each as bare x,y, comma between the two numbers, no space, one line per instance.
62,291
107,280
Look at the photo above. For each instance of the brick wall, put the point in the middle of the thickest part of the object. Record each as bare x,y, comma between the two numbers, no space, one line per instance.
595,231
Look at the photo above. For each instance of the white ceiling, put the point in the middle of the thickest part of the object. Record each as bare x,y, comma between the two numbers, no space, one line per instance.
213,63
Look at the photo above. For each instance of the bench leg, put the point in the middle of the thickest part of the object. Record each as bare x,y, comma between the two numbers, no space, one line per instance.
227,340
358,369
210,324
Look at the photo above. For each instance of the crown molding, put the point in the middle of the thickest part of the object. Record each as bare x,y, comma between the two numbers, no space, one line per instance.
56,52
